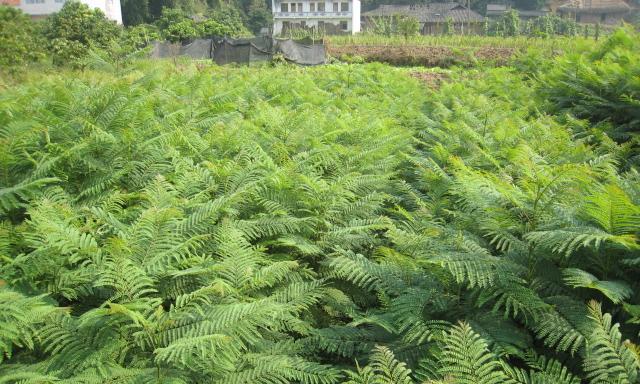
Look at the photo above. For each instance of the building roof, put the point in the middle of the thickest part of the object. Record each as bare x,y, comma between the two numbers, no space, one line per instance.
497,7
496,10
534,13
428,13
594,6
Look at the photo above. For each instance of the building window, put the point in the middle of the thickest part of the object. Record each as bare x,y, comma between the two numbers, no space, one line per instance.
344,7
312,7
321,7
321,25
284,7
296,7
285,26
335,7
343,25
303,24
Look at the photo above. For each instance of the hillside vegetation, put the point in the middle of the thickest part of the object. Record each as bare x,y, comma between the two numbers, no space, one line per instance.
188,223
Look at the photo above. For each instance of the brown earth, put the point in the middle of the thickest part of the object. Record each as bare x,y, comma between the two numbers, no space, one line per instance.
428,56
432,80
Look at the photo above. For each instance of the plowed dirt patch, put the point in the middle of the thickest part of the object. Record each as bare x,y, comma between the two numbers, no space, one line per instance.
432,80
427,56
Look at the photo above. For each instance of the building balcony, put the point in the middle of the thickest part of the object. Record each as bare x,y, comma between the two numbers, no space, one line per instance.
312,15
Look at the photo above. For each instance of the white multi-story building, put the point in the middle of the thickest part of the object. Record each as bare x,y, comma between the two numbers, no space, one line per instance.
333,16
42,8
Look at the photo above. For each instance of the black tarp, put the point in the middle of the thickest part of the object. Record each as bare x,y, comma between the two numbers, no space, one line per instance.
196,49
163,49
244,51
304,52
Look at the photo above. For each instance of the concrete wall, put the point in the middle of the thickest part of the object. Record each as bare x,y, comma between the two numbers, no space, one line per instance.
355,18
332,26
46,7
352,16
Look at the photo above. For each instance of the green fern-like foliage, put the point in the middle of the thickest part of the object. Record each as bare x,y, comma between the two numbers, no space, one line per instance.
608,359
542,370
185,223
20,320
382,368
616,291
467,359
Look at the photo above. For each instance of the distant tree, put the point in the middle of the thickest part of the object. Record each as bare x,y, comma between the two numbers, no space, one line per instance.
75,30
135,12
19,38
139,36
258,15
156,7
408,26
549,28
511,22
189,7
231,17
448,26
211,27
181,31
193,7
170,16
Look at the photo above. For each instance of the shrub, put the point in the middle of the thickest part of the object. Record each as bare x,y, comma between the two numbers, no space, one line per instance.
180,31
170,16
19,38
75,30
140,36
231,18
211,27
408,26
174,25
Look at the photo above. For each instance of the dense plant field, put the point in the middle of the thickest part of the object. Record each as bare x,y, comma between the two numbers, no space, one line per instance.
523,43
183,223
